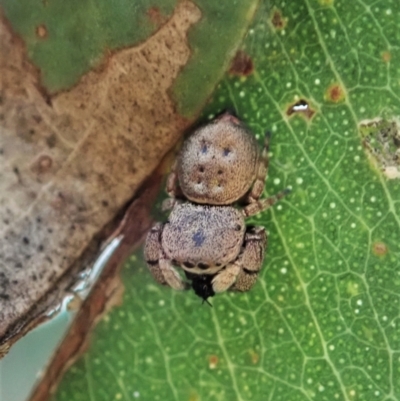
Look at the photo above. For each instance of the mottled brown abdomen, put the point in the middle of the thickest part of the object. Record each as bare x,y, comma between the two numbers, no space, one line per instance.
203,238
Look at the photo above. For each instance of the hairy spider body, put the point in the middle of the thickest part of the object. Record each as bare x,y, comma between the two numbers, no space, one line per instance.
219,166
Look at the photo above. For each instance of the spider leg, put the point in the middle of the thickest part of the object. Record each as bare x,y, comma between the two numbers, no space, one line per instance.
172,188
159,265
226,277
242,273
263,204
262,172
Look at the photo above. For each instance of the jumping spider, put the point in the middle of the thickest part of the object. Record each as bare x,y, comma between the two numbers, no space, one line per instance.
220,165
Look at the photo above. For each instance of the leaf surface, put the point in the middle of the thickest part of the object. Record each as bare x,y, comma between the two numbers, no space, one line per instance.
322,323
87,114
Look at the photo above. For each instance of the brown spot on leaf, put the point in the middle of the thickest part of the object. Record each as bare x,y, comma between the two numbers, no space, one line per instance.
242,64
379,248
155,16
254,356
301,107
51,141
213,361
335,93
42,164
277,20
386,56
41,31
193,396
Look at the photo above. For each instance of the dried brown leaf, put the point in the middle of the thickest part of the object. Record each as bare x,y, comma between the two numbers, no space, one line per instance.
69,162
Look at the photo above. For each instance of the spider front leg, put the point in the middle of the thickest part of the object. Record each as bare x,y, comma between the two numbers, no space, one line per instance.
262,172
253,203
172,189
243,272
159,265
263,204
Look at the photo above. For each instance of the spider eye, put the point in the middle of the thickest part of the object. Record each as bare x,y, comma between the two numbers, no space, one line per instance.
189,265
203,266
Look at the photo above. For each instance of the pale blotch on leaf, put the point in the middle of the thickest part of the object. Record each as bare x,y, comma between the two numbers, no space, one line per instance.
353,288
41,31
381,140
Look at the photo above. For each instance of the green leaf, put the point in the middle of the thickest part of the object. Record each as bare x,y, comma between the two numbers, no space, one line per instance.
66,39
323,320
